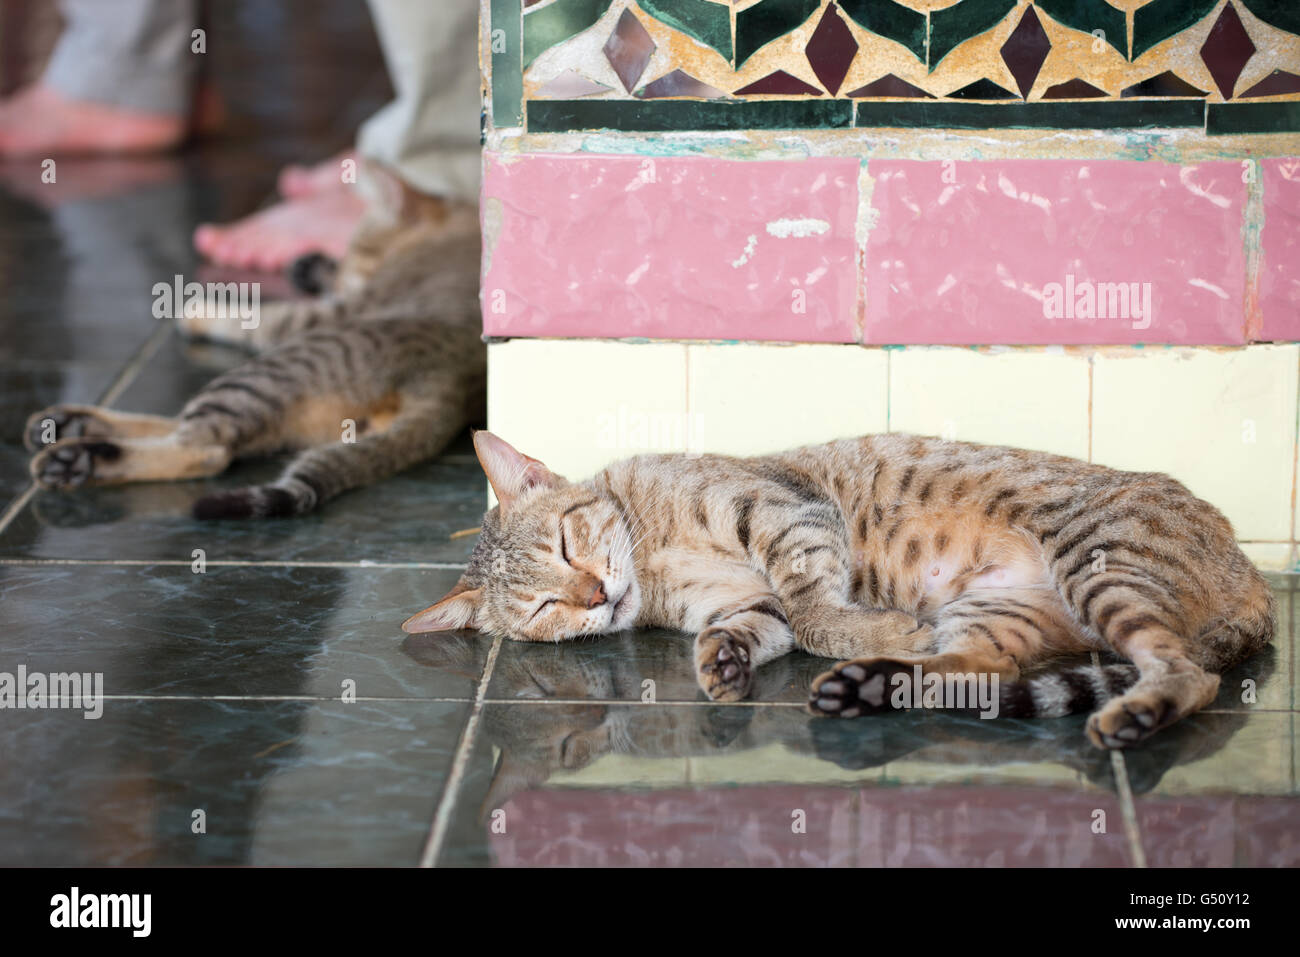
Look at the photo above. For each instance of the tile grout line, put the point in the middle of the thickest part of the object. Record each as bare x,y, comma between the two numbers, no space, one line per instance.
272,697
125,376
442,816
232,563
1127,809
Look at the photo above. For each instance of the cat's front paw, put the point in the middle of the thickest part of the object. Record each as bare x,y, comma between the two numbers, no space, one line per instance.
71,463
910,636
723,665
60,422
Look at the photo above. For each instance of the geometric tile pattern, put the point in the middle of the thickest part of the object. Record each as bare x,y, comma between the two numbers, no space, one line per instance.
1045,63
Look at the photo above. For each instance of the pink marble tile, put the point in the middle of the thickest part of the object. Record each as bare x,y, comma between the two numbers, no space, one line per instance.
963,252
988,826
662,247
1279,271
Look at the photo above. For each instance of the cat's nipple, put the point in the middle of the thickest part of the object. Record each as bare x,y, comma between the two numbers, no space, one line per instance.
935,571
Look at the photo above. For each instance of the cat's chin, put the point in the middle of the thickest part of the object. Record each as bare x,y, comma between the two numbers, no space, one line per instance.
625,609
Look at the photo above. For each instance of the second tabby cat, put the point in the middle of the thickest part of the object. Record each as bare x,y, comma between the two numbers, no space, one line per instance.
374,377
890,552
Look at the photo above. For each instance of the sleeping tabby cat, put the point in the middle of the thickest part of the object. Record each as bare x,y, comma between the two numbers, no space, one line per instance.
379,375
888,552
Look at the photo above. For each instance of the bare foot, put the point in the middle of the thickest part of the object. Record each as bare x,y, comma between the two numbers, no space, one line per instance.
39,121
271,239
299,182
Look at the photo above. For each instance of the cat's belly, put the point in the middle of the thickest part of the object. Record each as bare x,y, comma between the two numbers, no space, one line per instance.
933,567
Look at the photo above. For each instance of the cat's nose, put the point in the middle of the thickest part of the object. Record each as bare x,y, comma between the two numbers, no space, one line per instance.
598,596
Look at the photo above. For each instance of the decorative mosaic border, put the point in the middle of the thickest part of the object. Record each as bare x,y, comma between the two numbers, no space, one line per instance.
1222,66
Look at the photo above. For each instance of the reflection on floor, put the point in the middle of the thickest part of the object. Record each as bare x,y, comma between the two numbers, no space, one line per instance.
226,688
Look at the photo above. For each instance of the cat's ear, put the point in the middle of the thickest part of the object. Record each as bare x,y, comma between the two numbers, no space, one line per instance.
510,471
459,609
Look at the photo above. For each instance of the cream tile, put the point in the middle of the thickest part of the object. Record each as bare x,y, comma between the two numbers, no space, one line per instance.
754,398
579,405
1029,398
1222,421
1270,556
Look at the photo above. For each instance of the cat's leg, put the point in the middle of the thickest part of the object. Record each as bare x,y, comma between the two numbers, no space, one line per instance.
738,622
804,550
984,632
1170,684
60,422
235,413
1135,572
89,461
422,427
746,632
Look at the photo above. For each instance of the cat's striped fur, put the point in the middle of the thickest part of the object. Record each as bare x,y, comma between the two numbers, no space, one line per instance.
364,382
886,552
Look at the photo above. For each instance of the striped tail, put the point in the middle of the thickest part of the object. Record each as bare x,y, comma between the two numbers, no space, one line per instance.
1069,691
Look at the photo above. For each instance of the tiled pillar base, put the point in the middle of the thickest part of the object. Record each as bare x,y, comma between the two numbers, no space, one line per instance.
1221,420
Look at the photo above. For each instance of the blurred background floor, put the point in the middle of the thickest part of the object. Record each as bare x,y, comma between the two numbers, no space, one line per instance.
225,688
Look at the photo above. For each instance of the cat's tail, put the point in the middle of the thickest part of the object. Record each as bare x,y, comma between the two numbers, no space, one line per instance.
1054,694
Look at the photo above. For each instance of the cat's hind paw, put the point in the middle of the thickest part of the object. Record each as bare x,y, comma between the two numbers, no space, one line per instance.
723,664
854,688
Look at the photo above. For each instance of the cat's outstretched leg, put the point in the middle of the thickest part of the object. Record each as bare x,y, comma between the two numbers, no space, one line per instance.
60,422
78,445
985,632
93,461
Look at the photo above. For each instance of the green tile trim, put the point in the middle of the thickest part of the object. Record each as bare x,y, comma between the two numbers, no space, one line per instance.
1283,14
504,41
1089,15
710,23
547,26
1276,117
559,116
1161,19
953,26
762,23
1129,114
893,21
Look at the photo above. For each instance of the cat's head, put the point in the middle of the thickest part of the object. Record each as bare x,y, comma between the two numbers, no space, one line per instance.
395,215
554,560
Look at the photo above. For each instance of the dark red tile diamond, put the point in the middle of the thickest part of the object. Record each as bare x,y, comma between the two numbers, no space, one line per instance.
1025,50
1072,90
831,49
984,89
1163,84
780,82
890,85
1277,83
1226,50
